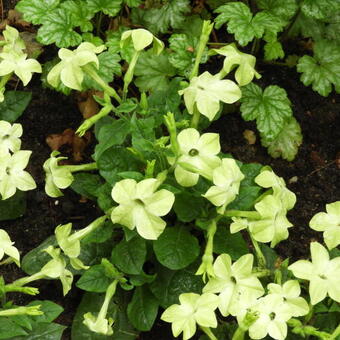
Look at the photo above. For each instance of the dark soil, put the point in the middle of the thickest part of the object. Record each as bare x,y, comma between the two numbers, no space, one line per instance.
313,175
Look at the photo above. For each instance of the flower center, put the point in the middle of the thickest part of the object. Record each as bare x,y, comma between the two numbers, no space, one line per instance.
139,202
8,171
193,152
323,277
5,137
272,316
233,280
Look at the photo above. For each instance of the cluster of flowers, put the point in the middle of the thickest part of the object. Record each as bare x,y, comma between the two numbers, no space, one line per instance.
13,161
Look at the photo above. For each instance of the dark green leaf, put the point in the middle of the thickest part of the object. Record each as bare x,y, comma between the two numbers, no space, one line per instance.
9,329
227,243
99,235
109,7
105,200
142,310
320,9
188,207
92,253
176,248
94,280
14,105
51,310
46,331
170,284
13,207
246,198
86,184
129,256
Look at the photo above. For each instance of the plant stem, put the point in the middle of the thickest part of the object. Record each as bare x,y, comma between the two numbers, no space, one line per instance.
204,38
239,213
81,167
335,334
255,47
260,257
209,333
89,69
80,234
239,334
195,118
129,73
99,23
171,125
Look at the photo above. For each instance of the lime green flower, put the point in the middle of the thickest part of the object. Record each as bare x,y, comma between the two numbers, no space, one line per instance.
69,70
322,273
17,63
13,41
10,136
290,293
272,319
101,324
193,309
197,156
206,91
227,179
141,39
141,206
22,310
246,64
6,247
56,176
232,280
12,174
329,223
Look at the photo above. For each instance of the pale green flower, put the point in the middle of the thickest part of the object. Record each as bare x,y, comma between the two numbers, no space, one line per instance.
10,136
206,91
6,247
12,174
56,268
290,293
101,324
227,178
198,156
141,206
70,242
141,38
268,179
57,177
322,273
22,310
232,280
329,223
193,309
17,63
13,41
245,64
69,70
272,319
271,227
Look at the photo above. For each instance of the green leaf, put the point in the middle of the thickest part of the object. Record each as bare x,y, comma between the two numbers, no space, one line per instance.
153,72
35,259
176,248
111,134
245,198
143,133
58,28
323,69
143,308
99,235
280,9
92,253
271,108
287,142
170,14
109,7
46,331
86,184
250,170
232,244
129,256
108,67
273,50
13,207
14,105
170,284
242,24
80,13
105,200
51,310
320,9
35,11
188,207
94,280
9,329
133,3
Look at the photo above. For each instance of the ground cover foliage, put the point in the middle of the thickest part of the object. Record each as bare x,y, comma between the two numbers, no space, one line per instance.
181,231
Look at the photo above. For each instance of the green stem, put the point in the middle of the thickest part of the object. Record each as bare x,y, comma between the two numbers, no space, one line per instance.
254,215
80,234
5,79
171,126
260,257
239,334
262,273
108,296
310,313
204,38
27,279
209,333
255,46
99,23
195,118
91,71
81,167
335,334
129,73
